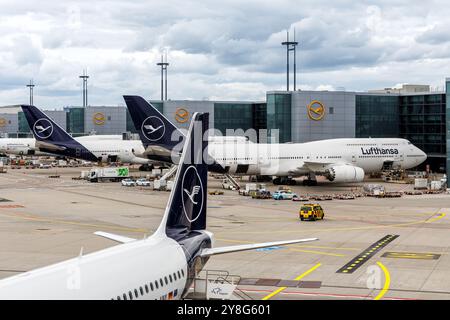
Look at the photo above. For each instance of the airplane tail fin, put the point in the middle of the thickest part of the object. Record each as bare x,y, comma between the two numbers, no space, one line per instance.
153,127
50,137
186,209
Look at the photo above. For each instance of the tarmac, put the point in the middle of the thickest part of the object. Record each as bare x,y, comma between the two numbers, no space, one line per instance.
368,248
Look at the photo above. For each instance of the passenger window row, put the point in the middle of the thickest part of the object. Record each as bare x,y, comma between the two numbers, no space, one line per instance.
374,156
287,158
234,159
151,286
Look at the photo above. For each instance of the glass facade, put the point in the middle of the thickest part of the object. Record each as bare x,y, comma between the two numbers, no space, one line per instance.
447,90
130,123
376,116
24,128
422,121
420,118
260,116
279,115
75,120
239,115
159,105
233,116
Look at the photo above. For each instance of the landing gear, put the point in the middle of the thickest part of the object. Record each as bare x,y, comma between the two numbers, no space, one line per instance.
311,180
146,167
284,181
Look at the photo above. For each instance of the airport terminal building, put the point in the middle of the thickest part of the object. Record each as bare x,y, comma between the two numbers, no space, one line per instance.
412,112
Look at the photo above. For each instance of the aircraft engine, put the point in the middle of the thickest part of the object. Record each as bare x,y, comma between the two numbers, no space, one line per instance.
345,173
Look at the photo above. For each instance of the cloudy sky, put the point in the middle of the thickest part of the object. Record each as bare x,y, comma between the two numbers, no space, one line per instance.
227,50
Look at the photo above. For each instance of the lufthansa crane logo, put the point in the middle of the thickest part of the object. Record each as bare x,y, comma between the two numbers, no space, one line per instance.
98,118
3,122
316,110
153,128
43,128
192,194
181,115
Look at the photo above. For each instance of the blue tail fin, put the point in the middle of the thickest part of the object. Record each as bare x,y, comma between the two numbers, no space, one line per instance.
153,127
186,209
50,137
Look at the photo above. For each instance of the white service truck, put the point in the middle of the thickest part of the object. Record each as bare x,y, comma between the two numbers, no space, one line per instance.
108,174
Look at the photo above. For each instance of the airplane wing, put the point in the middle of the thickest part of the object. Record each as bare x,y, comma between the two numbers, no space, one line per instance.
49,146
213,251
322,165
114,237
157,150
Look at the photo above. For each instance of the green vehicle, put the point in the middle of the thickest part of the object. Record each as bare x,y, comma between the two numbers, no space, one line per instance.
108,174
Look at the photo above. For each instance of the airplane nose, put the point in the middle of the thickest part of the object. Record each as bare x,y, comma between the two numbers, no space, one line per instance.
423,156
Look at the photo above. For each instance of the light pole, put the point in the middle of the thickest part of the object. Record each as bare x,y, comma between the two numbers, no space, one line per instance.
164,66
290,46
31,87
85,78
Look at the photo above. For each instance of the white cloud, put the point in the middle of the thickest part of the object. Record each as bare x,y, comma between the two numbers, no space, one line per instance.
228,51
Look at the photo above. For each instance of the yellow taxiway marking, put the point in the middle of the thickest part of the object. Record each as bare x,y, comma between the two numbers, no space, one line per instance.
405,224
387,281
412,255
319,252
90,225
296,279
439,216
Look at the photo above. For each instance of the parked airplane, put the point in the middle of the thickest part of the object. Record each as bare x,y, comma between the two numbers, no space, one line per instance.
51,138
161,266
18,146
339,160
27,146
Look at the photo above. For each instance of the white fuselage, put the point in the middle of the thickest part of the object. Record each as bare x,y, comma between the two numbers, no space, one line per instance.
19,146
126,269
296,159
102,146
126,151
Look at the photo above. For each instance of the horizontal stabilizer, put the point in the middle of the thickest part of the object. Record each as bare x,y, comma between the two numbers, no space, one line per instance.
229,249
114,237
49,146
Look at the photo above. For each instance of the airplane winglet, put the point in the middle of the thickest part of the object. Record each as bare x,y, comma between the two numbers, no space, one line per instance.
114,237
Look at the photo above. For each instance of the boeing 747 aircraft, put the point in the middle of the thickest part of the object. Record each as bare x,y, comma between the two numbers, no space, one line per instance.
51,138
161,266
27,146
339,160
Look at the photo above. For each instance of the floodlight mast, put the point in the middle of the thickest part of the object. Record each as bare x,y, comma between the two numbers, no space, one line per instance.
85,78
31,87
163,64
290,46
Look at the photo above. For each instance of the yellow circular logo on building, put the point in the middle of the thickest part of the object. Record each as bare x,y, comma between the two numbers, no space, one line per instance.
98,118
181,115
3,122
316,110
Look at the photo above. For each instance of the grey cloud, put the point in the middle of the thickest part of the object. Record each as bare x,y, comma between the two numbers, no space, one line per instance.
25,51
437,35
214,48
